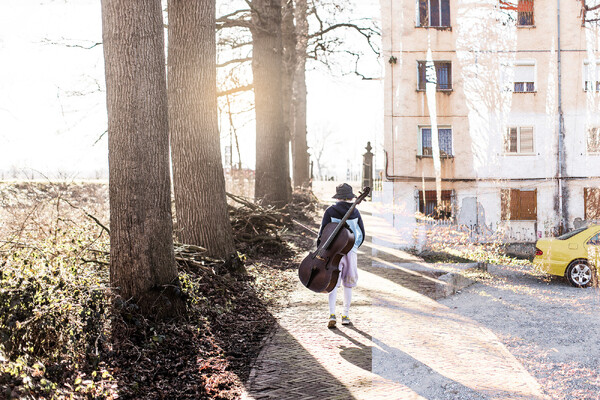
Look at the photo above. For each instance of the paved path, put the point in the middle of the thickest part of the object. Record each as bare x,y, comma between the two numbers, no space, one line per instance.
402,344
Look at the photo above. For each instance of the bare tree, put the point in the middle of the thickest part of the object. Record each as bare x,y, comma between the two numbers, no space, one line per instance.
200,202
320,33
331,24
319,141
141,254
288,32
300,155
590,13
271,179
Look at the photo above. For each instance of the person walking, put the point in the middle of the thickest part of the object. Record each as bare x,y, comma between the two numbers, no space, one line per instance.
348,264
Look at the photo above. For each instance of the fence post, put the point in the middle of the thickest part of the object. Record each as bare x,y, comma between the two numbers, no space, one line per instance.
367,171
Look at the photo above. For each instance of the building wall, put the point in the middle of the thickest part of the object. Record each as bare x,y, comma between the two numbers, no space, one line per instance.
482,46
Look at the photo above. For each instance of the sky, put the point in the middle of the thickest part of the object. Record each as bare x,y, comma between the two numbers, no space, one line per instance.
51,106
52,100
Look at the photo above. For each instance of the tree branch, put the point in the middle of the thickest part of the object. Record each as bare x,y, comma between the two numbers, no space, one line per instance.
355,72
227,16
233,61
97,221
238,89
100,137
367,33
230,43
79,46
234,23
592,8
343,25
86,261
238,45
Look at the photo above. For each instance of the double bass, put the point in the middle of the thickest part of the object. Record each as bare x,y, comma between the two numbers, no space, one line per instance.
319,271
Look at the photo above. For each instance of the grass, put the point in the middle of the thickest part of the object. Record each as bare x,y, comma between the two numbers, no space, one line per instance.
440,257
447,244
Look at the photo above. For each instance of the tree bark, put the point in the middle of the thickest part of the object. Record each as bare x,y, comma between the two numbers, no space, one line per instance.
199,184
288,32
271,180
300,158
141,251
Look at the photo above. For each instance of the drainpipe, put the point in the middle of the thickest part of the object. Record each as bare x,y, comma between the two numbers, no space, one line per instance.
392,63
562,224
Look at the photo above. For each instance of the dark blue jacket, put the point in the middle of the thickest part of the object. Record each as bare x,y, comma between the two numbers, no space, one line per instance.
336,212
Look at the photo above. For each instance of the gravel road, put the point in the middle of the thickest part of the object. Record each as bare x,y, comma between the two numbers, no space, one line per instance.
553,329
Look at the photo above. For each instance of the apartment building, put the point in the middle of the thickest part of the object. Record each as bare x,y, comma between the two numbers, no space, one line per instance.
512,88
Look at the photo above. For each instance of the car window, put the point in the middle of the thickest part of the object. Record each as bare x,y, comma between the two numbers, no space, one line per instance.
569,235
595,240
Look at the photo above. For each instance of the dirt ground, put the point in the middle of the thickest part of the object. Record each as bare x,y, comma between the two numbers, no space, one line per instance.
552,328
514,334
401,345
65,335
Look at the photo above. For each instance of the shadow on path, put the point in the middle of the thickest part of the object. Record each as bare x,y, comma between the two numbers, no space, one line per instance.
288,371
361,353
422,282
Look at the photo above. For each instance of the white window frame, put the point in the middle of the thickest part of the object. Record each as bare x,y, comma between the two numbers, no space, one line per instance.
595,85
420,140
518,152
525,63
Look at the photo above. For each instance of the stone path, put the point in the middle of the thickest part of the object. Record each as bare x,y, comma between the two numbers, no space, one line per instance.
402,344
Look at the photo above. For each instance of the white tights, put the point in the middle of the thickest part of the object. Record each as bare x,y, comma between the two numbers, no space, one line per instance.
347,300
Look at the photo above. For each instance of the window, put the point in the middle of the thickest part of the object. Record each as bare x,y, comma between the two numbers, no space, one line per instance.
593,140
519,140
595,240
428,204
524,76
591,76
569,235
524,9
591,203
518,205
525,13
443,74
445,141
434,13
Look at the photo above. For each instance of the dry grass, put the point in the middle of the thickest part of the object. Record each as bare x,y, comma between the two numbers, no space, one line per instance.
65,335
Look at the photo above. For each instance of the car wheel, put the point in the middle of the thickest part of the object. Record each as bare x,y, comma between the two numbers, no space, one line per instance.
581,274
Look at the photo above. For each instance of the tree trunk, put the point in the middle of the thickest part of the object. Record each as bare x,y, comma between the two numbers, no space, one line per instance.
141,251
300,156
288,32
200,202
271,180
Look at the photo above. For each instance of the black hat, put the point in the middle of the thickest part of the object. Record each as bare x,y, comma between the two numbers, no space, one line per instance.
344,191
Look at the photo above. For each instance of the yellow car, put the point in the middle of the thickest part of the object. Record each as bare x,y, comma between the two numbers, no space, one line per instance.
573,255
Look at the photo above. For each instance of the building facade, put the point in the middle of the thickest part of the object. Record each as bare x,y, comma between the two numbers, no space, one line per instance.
512,89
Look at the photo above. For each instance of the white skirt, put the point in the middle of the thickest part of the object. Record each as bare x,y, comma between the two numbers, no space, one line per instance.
349,268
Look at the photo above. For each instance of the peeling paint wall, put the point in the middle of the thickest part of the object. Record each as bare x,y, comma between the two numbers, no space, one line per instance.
482,47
